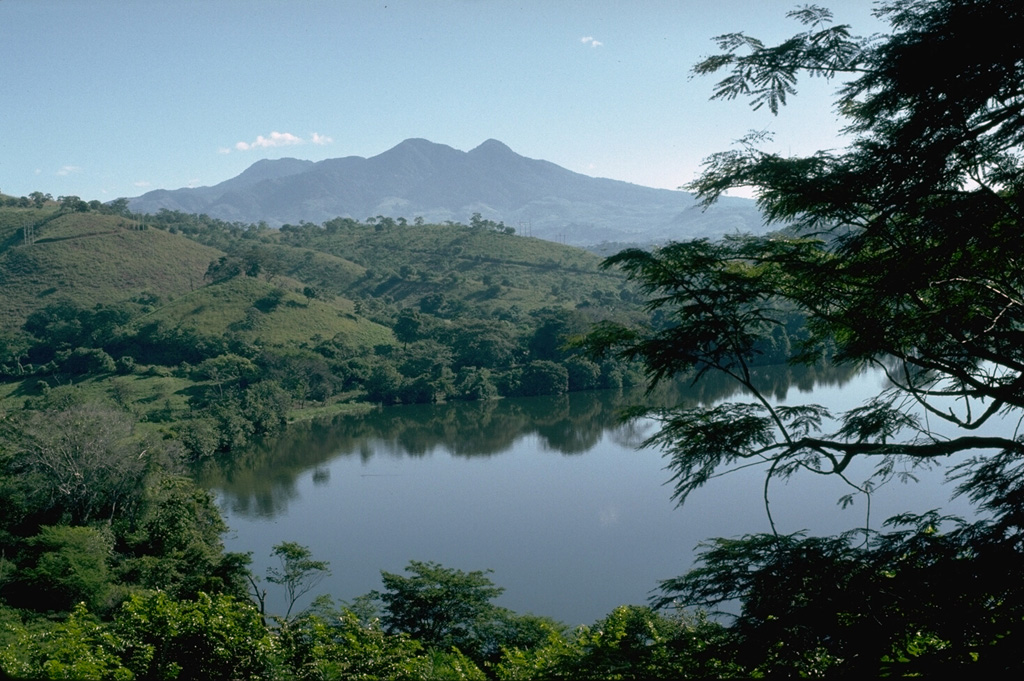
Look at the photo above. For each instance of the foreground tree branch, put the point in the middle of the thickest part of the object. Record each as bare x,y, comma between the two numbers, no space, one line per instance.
891,252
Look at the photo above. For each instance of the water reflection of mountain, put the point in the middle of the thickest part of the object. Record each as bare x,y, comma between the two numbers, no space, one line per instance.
261,481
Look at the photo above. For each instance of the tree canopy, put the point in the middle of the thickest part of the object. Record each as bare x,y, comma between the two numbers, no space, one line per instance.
902,250
437,605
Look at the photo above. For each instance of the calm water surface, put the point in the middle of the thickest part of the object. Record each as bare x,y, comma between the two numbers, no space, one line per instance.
552,494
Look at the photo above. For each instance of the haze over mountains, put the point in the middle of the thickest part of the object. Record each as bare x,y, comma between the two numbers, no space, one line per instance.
419,178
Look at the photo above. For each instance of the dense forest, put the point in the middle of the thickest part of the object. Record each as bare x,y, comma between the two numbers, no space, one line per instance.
137,345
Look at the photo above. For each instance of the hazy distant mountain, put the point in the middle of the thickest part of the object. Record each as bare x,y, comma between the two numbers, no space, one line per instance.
419,178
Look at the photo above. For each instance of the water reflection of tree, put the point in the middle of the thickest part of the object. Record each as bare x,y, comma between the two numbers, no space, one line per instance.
261,481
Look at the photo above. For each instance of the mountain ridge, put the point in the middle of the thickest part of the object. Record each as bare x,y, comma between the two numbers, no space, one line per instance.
420,178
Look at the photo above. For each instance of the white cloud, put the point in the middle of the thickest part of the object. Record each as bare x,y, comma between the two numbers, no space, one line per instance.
276,139
142,183
68,170
589,40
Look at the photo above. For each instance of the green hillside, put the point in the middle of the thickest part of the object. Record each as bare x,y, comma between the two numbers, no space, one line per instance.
479,268
91,258
329,276
214,332
256,311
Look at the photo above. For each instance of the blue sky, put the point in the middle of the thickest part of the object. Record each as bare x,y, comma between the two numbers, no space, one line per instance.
107,98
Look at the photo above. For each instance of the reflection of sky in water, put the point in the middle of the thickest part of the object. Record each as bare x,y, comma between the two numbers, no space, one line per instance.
569,536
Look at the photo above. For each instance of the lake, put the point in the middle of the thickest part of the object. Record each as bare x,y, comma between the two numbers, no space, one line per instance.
551,493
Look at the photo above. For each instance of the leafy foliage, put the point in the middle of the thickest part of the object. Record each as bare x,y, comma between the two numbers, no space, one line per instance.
69,567
209,637
910,601
632,642
78,648
174,543
442,607
298,573
336,645
901,251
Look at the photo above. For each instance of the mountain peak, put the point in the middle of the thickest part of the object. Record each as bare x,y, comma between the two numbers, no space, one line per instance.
417,144
492,146
415,148
268,169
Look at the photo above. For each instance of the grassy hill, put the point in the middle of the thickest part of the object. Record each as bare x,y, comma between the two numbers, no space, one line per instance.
91,258
257,311
328,279
480,269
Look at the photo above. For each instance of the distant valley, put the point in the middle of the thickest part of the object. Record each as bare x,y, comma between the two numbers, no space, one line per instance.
419,178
